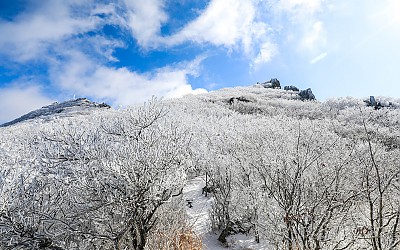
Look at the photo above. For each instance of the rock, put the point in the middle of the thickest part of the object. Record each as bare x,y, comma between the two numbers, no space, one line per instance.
372,101
273,84
377,104
307,94
232,100
292,88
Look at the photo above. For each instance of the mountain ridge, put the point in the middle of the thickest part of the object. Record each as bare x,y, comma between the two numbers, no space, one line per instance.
67,108
233,96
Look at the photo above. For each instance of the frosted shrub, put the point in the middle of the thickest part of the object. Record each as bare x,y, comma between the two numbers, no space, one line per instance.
97,185
289,174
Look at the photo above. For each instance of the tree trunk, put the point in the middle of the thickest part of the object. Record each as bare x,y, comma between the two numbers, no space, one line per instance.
139,236
226,232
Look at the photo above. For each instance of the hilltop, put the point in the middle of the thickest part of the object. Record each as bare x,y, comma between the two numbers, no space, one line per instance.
64,109
256,98
238,168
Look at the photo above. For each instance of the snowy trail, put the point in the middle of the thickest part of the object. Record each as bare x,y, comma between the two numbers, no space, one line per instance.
199,213
199,218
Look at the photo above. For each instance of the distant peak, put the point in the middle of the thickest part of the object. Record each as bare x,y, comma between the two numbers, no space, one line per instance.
62,109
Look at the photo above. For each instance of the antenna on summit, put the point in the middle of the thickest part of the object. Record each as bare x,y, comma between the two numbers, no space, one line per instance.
74,97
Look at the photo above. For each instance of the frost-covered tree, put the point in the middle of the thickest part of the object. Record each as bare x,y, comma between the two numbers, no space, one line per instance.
379,215
95,186
287,173
308,187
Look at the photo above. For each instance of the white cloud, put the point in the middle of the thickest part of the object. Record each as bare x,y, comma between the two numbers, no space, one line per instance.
145,19
315,38
318,58
267,51
299,9
120,86
228,23
105,47
29,34
53,25
391,13
17,101
299,23
223,22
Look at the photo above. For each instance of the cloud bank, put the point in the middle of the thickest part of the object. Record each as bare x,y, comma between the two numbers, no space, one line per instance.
79,75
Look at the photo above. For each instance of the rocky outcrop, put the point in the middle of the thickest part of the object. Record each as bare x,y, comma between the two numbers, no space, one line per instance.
273,84
68,108
292,88
372,102
307,94
232,100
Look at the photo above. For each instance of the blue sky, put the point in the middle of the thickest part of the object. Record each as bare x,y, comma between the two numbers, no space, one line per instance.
123,52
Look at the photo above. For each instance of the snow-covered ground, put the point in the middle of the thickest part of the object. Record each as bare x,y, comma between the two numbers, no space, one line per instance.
199,212
199,218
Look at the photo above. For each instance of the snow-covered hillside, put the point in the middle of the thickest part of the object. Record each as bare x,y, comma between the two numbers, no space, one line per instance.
279,173
70,108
